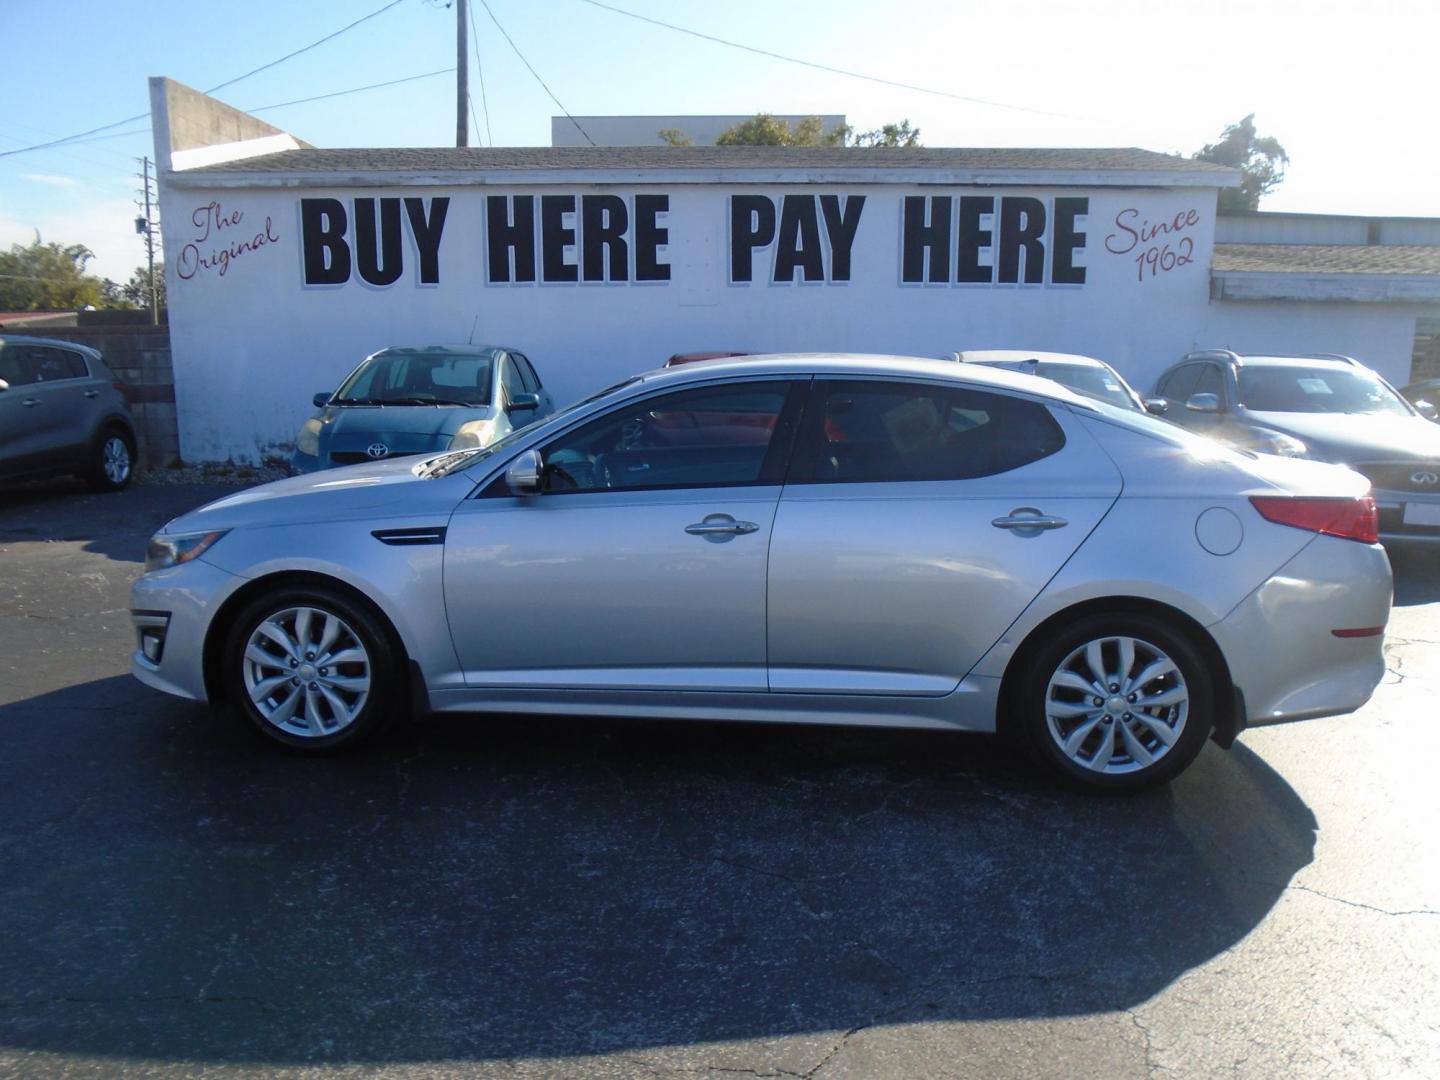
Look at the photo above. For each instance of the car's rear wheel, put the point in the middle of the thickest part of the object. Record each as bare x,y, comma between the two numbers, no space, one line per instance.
1116,702
112,460
313,670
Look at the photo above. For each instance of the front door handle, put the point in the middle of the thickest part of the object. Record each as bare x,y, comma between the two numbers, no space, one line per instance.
1028,521
92,393
30,402
720,527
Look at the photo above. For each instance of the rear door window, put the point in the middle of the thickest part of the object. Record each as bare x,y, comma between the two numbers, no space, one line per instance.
876,432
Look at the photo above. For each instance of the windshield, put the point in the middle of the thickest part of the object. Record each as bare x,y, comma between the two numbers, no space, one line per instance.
1317,390
1099,383
416,378
463,459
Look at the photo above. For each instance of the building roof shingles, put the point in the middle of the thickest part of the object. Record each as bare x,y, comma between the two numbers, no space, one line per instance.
1326,259
533,159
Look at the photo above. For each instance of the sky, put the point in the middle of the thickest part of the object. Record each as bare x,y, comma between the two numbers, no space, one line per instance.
1348,88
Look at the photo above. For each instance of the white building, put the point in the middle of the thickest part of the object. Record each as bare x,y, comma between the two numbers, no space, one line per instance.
287,264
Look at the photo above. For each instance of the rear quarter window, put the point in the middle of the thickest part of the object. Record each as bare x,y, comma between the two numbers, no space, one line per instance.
875,432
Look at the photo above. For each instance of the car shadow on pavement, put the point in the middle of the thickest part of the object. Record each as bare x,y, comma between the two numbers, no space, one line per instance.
491,888
114,524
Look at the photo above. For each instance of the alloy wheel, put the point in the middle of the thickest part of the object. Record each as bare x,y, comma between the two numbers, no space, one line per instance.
307,672
115,460
1116,705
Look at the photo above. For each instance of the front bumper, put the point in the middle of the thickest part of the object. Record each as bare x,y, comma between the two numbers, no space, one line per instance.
1279,642
171,611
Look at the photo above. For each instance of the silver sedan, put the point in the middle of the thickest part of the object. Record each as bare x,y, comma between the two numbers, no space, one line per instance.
815,539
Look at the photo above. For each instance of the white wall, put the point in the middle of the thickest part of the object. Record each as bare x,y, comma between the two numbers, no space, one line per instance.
252,344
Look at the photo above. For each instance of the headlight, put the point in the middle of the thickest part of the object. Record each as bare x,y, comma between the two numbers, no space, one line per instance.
172,550
1273,442
474,435
309,440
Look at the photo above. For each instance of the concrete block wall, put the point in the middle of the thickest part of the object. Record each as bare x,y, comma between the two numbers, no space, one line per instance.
140,357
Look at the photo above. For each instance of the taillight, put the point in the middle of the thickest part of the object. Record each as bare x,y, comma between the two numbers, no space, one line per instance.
1349,519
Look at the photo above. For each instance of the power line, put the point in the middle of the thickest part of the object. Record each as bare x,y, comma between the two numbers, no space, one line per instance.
480,74
213,89
474,120
818,67
307,48
282,104
537,74
352,90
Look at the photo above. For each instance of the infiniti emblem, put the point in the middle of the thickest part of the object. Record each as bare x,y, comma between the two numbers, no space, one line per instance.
377,450
1425,478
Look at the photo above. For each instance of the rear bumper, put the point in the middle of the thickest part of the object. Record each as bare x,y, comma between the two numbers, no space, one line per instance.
1279,641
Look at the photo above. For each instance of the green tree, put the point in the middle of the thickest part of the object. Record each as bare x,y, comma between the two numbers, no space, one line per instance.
674,137
1260,159
765,129
136,291
49,277
899,135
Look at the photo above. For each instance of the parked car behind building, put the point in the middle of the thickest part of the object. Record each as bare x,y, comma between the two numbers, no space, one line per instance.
1083,374
62,411
1325,407
420,400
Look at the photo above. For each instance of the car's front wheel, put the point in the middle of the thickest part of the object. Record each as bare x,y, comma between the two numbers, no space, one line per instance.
1116,702
313,670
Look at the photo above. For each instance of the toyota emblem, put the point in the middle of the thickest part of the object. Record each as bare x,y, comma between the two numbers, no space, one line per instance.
377,450
1425,478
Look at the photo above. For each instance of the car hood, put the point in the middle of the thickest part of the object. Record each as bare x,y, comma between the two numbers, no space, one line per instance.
430,420
388,489
1348,437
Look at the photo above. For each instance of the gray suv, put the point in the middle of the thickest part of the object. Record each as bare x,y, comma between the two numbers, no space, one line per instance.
62,411
1322,406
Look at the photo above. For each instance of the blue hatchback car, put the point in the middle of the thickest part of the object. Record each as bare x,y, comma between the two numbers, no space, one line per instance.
421,400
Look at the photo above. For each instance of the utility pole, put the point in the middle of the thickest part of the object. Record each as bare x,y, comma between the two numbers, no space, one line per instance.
145,226
462,73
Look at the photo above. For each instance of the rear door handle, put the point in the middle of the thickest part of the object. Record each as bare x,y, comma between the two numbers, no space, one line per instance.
30,402
720,526
1026,519
92,393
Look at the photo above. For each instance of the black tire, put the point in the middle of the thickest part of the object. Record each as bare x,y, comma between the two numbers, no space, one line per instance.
1032,726
385,667
102,475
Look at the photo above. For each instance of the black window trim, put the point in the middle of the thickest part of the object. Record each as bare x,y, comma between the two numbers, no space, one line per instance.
526,368
824,378
772,471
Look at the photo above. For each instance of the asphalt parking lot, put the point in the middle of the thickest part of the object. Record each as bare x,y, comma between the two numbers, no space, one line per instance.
530,897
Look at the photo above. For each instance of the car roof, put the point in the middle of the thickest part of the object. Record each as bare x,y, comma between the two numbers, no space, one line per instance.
1020,356
845,365
440,350
27,339
1296,361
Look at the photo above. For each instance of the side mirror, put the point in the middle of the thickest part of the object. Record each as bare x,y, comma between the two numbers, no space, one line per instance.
321,399
1157,406
4,386
523,475
524,402
1206,403
1423,407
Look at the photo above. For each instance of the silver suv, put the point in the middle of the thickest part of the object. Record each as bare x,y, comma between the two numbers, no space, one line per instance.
1322,406
62,411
